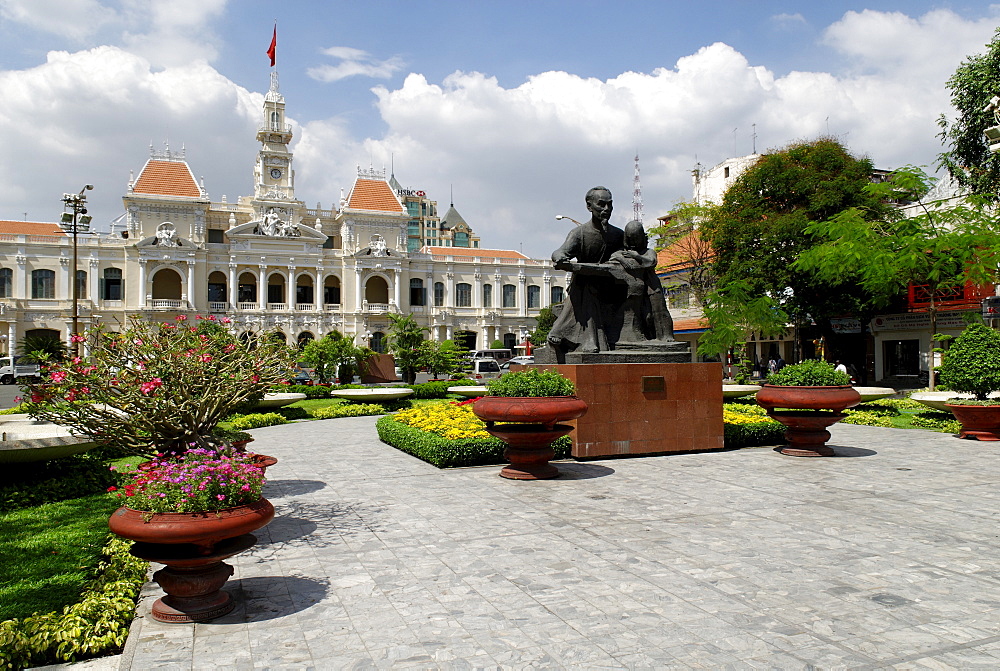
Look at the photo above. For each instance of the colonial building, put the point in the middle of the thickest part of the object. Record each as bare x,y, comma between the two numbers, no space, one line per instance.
268,260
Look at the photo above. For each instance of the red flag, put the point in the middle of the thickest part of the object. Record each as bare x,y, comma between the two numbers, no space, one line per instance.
274,44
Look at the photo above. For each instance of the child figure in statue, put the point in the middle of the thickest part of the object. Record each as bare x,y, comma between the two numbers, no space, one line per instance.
645,318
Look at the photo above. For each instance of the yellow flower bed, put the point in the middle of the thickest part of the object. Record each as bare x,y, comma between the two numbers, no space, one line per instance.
733,417
446,419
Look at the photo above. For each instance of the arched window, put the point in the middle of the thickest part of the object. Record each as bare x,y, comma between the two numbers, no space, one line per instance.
217,287
6,283
487,295
331,290
534,296
378,342
463,295
377,290
509,340
43,284
112,287
509,296
418,296
304,290
556,295
167,284
304,339
246,290
276,289
439,294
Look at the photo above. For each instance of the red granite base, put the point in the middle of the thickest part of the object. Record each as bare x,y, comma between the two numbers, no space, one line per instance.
646,408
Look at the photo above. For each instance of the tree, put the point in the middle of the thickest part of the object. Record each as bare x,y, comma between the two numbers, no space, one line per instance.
543,324
690,254
497,344
968,158
404,340
42,347
440,357
733,313
943,245
333,355
763,225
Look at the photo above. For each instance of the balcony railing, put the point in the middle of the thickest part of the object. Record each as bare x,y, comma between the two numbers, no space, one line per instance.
167,304
304,307
247,305
331,307
112,305
218,306
277,307
377,308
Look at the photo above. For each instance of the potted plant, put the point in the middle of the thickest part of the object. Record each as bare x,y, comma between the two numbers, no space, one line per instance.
815,395
530,403
158,388
972,365
190,513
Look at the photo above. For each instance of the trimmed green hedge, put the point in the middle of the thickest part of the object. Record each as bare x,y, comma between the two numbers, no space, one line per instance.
445,453
256,420
753,434
358,409
34,483
98,623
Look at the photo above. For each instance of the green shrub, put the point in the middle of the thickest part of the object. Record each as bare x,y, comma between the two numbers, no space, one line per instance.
753,434
256,420
34,483
936,421
812,373
292,413
532,382
348,410
972,363
445,453
868,418
97,624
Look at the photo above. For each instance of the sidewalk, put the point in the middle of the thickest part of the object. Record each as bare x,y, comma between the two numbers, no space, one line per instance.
887,556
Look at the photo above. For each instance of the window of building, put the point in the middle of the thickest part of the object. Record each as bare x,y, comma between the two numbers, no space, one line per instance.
216,235
331,295
679,297
463,295
725,172
461,239
112,289
378,342
413,228
556,295
509,296
509,340
216,292
487,295
81,284
413,244
43,284
304,294
6,283
439,294
418,295
534,296
247,293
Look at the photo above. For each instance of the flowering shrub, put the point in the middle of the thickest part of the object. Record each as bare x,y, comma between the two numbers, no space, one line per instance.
157,387
453,421
202,480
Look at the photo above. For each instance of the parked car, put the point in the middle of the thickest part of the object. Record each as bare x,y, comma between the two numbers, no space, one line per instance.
485,369
519,360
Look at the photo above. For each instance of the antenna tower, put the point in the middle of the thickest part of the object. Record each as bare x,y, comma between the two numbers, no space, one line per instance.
636,193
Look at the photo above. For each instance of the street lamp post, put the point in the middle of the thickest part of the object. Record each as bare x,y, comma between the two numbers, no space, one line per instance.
75,220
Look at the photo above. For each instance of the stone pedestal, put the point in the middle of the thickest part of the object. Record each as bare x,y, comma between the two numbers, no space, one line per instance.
646,408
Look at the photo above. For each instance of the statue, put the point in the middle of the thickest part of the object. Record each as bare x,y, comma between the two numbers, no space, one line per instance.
166,235
645,316
589,321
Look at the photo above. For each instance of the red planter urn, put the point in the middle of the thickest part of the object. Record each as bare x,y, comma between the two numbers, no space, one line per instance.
810,410
530,425
193,547
981,422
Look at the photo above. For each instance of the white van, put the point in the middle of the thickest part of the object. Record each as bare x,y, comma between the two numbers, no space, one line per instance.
485,369
500,355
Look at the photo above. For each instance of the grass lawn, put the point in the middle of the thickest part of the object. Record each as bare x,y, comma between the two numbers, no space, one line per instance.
48,553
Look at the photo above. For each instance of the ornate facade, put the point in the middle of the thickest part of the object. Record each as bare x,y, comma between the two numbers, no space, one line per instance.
267,260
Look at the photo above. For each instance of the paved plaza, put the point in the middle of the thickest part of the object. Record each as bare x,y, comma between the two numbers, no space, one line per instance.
886,556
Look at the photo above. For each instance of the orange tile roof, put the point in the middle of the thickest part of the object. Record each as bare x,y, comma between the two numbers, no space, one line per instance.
373,194
30,228
167,178
683,252
475,252
693,324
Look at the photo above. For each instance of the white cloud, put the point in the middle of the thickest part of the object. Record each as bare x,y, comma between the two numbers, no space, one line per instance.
354,62
172,32
789,21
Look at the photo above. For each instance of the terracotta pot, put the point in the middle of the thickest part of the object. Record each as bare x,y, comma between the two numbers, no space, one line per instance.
201,529
545,410
529,440
981,422
241,445
835,398
263,461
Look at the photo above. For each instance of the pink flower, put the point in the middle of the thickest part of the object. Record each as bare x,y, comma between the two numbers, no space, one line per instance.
59,376
205,358
226,320
180,318
77,359
147,387
77,338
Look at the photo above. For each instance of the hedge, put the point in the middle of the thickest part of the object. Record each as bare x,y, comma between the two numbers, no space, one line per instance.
445,453
437,389
98,623
256,420
348,410
752,434
34,483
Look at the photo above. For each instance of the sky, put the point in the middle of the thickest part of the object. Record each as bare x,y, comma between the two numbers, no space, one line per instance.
511,109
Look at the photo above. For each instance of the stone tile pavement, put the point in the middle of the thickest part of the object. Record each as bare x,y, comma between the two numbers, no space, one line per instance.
884,557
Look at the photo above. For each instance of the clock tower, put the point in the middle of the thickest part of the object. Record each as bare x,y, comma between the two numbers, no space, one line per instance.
274,179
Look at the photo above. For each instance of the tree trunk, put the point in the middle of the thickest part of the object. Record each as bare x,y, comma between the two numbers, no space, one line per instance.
932,310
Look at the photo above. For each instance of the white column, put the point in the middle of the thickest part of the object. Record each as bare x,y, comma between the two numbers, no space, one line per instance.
261,286
449,300
546,291
92,281
233,286
497,293
21,288
11,337
142,283
448,332
190,286
398,275
65,289
522,295
477,291
357,289
318,288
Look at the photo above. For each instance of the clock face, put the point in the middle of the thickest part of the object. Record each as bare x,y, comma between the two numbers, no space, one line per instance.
275,173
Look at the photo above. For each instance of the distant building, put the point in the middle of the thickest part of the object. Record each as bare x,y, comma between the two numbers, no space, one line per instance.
268,260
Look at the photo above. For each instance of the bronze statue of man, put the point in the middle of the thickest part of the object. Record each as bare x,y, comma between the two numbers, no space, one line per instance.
590,319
